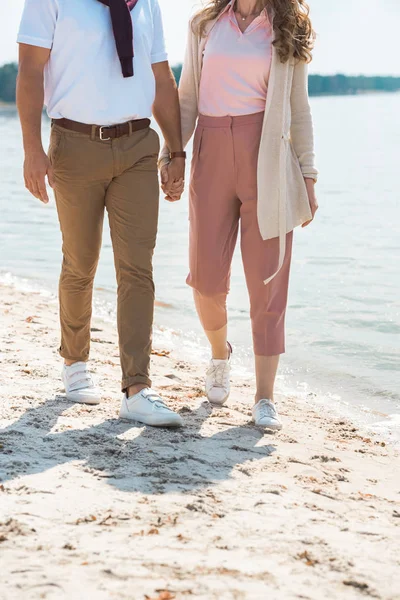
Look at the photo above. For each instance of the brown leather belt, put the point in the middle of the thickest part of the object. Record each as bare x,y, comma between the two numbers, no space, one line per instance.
104,133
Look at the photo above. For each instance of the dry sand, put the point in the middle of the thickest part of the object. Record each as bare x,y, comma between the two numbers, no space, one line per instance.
95,508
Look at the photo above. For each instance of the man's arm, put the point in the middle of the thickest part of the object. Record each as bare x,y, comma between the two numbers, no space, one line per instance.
30,99
167,114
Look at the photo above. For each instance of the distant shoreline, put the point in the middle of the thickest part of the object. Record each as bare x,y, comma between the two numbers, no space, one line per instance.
8,105
12,105
339,84
356,93
319,85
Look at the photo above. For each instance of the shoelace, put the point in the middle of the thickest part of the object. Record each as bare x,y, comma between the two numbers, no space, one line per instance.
219,374
267,410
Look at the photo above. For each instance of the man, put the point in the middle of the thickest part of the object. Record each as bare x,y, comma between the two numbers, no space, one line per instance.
100,67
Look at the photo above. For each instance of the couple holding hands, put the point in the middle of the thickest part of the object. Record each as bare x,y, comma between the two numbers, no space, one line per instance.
101,69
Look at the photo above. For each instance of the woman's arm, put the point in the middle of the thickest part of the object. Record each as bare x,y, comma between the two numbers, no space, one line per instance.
301,132
187,97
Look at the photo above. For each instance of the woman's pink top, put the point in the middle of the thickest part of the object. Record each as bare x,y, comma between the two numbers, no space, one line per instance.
236,67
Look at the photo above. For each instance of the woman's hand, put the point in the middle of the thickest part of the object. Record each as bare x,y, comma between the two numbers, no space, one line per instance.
310,185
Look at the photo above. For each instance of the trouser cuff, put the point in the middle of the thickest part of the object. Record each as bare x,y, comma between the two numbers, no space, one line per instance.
83,358
270,351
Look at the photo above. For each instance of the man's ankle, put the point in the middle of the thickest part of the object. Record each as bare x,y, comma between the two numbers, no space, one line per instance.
135,389
69,363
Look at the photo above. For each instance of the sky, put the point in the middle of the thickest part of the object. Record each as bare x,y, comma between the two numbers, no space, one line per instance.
354,36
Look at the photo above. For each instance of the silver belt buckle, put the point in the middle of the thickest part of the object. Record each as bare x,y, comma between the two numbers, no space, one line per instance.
101,131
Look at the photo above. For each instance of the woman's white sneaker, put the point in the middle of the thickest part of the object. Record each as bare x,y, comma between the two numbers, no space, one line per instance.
79,385
218,385
148,407
265,415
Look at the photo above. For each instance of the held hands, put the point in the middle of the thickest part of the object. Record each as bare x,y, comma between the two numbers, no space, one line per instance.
36,167
310,185
173,179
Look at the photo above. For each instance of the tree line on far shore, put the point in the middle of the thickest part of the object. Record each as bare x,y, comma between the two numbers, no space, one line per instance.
319,85
340,85
8,77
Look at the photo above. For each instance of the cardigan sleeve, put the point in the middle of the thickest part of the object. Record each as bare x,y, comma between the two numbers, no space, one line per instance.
188,93
301,131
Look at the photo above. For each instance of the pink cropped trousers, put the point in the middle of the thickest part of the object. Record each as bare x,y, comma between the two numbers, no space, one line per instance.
223,192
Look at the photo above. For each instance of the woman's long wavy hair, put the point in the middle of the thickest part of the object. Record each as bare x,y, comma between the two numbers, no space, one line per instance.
294,35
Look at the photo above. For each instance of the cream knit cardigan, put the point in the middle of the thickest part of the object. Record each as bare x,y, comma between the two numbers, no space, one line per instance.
286,153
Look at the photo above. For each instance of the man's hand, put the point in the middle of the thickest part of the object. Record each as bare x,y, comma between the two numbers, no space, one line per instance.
30,97
36,167
310,185
167,114
173,179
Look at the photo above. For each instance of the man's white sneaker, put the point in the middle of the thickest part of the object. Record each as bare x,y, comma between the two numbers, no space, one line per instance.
147,407
78,384
218,385
265,415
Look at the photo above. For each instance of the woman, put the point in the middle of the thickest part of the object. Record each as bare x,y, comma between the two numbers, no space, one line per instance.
244,82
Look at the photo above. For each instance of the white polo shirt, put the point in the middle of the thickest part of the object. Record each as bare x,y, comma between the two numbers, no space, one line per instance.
83,78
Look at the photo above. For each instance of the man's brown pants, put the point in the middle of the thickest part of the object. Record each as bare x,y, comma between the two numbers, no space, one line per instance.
121,176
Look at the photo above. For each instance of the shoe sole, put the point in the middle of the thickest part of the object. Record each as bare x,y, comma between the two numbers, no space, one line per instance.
92,402
218,402
139,419
80,400
270,427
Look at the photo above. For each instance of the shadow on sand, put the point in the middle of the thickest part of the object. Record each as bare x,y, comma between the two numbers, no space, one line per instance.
131,458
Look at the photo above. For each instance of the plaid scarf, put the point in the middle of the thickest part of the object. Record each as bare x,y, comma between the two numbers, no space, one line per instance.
123,31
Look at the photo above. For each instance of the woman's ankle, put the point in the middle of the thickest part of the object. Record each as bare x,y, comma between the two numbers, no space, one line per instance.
264,396
221,352
220,355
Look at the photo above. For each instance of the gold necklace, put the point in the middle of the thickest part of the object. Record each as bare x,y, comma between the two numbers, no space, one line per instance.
247,16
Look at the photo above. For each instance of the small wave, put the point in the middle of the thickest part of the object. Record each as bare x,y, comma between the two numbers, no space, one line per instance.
379,326
332,260
370,301
25,285
389,429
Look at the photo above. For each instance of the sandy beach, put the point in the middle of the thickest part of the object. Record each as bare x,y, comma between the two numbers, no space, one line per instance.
95,508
